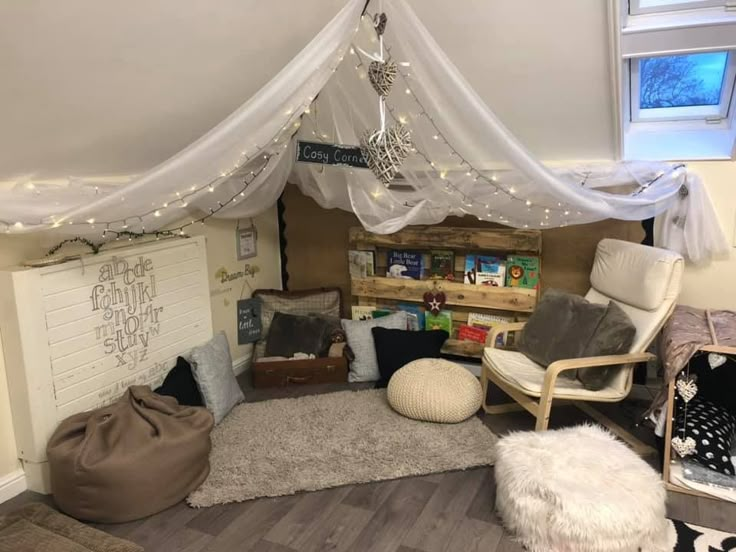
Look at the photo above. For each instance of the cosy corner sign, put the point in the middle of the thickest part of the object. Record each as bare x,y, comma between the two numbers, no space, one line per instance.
330,154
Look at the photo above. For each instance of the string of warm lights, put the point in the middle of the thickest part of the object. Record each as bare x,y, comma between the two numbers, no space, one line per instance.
180,199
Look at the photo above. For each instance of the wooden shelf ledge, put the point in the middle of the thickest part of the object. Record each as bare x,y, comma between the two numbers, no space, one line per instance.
466,295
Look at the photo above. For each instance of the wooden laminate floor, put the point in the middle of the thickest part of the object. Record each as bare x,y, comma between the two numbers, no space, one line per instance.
441,512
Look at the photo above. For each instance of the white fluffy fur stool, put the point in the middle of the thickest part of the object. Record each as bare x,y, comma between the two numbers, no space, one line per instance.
579,490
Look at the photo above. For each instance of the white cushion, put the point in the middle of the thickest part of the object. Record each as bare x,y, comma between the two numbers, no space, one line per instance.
528,376
434,390
364,366
637,275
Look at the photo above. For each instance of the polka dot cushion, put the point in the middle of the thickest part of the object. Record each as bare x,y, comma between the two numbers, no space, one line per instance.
712,428
434,390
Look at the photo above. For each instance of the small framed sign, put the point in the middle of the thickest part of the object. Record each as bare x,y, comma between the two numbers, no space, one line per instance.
249,320
330,154
247,239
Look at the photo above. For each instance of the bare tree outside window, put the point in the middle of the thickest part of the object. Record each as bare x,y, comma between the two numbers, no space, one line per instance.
682,81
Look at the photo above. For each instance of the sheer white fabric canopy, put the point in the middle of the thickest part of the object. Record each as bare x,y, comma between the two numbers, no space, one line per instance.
465,161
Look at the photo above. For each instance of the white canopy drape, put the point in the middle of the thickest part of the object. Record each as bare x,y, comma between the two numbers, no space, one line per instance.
465,161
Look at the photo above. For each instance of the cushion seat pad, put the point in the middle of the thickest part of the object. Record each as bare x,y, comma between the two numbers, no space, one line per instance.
435,390
525,374
579,490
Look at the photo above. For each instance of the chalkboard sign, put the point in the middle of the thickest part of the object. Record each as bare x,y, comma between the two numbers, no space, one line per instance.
330,154
249,320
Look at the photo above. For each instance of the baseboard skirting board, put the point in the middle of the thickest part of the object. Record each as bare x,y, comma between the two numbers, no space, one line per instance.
12,485
242,364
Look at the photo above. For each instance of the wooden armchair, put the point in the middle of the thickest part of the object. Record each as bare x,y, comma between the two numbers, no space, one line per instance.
644,282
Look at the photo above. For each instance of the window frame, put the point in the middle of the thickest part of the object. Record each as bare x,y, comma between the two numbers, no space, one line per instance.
636,9
706,113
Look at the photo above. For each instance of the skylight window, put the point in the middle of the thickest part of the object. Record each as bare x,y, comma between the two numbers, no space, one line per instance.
689,86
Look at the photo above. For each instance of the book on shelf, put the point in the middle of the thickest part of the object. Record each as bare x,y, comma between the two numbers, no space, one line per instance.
486,270
488,322
415,315
442,321
490,271
522,271
379,313
442,265
404,264
472,333
359,312
361,263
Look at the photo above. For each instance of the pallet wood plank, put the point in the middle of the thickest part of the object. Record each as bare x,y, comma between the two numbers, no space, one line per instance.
438,237
484,297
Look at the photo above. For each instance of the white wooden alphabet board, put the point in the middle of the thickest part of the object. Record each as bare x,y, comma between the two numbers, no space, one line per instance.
77,334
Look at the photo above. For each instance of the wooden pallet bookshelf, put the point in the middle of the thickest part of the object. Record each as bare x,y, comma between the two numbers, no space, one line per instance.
462,299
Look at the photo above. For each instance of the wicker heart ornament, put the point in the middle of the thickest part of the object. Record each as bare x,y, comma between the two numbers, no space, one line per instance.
687,388
434,301
382,75
682,447
386,151
379,22
715,360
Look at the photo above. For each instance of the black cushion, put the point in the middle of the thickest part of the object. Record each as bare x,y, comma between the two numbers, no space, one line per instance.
712,427
290,334
180,384
396,348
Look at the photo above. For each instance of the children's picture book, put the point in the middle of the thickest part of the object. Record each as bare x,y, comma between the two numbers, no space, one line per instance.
361,263
404,264
443,321
442,265
472,333
488,322
490,271
469,274
378,313
415,315
362,312
522,271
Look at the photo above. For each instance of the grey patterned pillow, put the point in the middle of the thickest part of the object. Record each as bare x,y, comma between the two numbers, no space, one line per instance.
212,368
360,340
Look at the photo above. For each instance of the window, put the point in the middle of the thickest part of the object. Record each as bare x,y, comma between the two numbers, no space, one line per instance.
651,6
676,76
682,87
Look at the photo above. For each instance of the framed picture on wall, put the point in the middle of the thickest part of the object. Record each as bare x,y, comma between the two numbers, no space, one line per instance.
247,239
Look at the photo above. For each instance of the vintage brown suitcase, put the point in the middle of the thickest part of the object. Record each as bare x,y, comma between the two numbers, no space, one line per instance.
281,373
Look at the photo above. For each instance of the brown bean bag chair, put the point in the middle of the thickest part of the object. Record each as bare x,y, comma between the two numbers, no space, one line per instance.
131,459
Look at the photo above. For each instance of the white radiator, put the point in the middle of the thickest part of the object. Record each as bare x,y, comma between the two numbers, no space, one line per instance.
76,335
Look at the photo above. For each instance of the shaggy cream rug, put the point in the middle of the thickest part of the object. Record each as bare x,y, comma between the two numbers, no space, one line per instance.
284,446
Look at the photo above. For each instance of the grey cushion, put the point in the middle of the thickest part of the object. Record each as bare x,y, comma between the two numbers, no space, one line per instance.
360,340
212,368
613,336
561,327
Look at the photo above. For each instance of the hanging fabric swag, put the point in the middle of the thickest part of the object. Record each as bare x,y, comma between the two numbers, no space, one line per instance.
433,148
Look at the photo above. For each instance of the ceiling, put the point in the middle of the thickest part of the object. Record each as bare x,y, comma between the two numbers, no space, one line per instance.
97,87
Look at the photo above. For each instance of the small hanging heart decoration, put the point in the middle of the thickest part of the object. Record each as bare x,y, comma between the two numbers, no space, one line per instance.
382,75
434,301
715,360
385,152
682,447
379,22
687,388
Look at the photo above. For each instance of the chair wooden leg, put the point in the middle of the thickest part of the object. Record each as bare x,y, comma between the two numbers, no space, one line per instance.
543,412
484,386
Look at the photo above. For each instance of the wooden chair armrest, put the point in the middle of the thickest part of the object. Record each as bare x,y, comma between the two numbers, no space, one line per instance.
502,328
554,369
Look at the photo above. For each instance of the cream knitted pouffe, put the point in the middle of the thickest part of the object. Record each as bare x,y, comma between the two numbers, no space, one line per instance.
434,390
